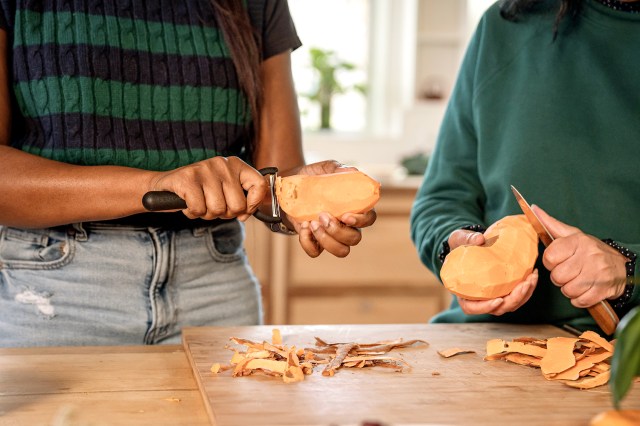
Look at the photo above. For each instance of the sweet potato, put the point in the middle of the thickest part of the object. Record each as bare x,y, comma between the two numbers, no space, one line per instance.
495,268
617,418
304,197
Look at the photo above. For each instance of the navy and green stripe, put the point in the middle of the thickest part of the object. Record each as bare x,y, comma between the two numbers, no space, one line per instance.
128,34
55,95
116,82
112,63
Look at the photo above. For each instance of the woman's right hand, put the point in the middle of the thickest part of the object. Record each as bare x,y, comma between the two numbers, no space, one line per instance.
500,305
215,188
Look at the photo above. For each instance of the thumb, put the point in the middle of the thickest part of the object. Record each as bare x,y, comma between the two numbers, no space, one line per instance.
462,237
556,228
256,188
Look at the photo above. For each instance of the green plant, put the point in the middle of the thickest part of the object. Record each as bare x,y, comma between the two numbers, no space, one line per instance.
326,65
625,365
415,164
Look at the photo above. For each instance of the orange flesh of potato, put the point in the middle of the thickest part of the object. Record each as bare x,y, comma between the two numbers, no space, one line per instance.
591,382
448,353
594,337
617,418
304,197
559,356
276,337
495,268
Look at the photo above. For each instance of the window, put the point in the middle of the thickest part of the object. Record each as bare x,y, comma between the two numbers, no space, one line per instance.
394,46
348,29
339,31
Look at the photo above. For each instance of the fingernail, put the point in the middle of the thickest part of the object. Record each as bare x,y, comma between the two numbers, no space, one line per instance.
324,218
473,238
349,220
315,225
497,302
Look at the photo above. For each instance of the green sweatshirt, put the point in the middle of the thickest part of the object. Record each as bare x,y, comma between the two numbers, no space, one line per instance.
559,120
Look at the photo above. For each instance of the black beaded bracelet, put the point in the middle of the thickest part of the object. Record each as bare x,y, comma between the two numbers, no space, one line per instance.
445,250
630,267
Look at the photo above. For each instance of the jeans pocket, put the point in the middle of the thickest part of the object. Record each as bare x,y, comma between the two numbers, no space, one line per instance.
34,248
225,241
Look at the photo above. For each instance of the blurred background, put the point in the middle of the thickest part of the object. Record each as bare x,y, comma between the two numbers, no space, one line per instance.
374,78
388,67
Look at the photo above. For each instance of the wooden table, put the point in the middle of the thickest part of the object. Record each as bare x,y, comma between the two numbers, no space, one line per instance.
73,386
156,385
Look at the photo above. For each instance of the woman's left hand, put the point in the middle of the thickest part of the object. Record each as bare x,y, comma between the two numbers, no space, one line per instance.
586,269
335,235
502,305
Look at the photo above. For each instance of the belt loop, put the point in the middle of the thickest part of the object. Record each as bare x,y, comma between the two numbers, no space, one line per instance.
78,231
199,231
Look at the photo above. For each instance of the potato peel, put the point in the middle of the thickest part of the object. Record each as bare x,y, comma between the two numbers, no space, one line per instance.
580,363
291,364
448,353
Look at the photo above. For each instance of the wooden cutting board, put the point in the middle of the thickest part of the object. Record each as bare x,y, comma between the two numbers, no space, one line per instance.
461,390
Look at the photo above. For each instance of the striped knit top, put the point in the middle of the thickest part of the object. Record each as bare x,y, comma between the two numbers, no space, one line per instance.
142,84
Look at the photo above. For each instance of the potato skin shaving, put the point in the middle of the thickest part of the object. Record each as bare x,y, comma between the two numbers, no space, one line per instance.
580,363
291,365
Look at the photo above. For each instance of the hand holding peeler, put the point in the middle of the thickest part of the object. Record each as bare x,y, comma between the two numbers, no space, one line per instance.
156,201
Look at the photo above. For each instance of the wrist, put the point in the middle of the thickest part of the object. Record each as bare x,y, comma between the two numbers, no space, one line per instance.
624,295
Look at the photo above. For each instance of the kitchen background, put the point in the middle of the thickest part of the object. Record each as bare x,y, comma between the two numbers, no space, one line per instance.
391,66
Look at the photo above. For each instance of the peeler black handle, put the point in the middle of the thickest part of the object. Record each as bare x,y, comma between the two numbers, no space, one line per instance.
156,201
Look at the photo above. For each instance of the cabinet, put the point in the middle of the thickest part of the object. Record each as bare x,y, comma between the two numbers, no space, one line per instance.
441,40
381,281
442,34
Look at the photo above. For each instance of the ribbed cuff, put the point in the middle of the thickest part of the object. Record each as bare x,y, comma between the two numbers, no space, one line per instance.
630,267
445,250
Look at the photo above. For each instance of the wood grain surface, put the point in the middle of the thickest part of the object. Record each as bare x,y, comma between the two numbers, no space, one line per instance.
462,390
82,386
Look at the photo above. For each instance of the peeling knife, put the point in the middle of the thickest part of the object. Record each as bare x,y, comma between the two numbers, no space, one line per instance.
602,312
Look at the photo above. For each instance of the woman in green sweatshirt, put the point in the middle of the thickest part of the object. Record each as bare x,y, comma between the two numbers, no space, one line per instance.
547,100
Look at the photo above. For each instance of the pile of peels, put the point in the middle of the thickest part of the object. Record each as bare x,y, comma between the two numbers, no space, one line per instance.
277,359
581,362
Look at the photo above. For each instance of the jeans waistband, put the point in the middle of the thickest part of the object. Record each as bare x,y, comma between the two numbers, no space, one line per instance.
173,220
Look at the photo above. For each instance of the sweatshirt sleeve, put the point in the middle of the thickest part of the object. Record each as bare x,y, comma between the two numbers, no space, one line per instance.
451,195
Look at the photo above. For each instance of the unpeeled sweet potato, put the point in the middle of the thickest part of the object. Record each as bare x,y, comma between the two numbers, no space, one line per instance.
304,197
495,268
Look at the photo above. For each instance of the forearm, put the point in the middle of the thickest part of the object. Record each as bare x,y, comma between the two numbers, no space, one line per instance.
449,198
36,192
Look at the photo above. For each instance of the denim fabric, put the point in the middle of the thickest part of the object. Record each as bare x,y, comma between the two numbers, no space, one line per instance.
106,284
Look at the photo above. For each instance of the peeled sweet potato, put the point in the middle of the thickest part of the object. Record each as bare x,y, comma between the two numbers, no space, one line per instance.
616,418
495,268
304,197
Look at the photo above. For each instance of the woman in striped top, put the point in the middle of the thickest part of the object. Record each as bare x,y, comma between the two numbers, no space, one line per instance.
101,102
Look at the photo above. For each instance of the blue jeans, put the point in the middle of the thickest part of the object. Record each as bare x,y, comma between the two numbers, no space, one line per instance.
109,284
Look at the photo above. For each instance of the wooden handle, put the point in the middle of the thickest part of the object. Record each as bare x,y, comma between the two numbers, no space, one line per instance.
605,316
